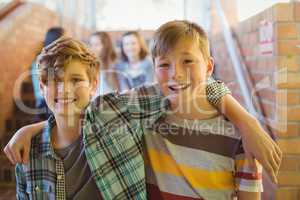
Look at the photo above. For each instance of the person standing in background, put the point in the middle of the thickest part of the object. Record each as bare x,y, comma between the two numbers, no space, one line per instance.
102,46
136,66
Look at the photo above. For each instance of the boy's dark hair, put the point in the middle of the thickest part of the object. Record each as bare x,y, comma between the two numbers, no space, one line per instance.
144,50
167,36
56,55
53,34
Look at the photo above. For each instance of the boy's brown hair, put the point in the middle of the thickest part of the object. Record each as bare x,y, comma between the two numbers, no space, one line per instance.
167,36
56,55
144,50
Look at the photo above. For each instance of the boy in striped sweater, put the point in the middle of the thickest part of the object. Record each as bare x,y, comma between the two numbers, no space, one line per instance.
191,152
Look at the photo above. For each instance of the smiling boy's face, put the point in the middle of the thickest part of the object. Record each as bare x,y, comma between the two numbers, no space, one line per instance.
182,72
70,91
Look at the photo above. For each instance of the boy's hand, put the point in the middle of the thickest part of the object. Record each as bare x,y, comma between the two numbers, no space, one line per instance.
17,149
259,145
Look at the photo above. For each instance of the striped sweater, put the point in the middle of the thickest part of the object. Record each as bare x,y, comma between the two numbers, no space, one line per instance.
196,159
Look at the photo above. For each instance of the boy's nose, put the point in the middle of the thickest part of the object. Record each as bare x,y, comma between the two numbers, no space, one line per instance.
63,87
176,73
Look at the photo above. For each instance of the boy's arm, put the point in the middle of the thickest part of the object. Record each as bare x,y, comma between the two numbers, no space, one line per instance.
20,184
256,142
17,149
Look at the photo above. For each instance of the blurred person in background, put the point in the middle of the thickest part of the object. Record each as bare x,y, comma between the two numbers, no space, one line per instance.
136,66
102,46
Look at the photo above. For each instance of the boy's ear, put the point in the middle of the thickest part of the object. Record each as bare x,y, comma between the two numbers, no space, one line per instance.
41,86
210,66
94,86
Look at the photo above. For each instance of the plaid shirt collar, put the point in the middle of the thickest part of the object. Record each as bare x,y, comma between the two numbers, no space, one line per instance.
45,147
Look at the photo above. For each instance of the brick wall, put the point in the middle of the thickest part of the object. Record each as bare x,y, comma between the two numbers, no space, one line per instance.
276,81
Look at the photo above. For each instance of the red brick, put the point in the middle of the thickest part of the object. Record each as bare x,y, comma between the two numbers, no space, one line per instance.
288,97
288,47
290,163
287,30
283,12
289,179
293,113
290,146
297,11
287,193
289,62
288,80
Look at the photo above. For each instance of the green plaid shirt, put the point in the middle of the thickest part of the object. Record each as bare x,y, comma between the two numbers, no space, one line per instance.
113,129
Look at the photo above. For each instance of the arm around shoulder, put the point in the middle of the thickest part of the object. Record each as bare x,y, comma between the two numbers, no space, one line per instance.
17,149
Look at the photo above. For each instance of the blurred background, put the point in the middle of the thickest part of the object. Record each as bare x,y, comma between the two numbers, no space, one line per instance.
255,44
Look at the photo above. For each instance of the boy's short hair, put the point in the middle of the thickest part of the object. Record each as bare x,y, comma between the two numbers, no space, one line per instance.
167,35
56,55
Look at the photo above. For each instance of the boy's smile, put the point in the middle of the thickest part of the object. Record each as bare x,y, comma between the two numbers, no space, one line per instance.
65,100
179,87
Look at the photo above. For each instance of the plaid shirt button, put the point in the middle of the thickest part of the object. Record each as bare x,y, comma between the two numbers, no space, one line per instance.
37,188
59,177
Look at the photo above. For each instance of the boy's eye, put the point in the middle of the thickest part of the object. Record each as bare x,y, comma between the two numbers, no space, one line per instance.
163,65
188,61
75,80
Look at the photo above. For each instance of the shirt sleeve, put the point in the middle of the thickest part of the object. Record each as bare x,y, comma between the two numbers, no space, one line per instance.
20,184
246,179
215,90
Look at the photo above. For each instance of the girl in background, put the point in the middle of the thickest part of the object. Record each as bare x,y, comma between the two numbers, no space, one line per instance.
102,46
136,67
